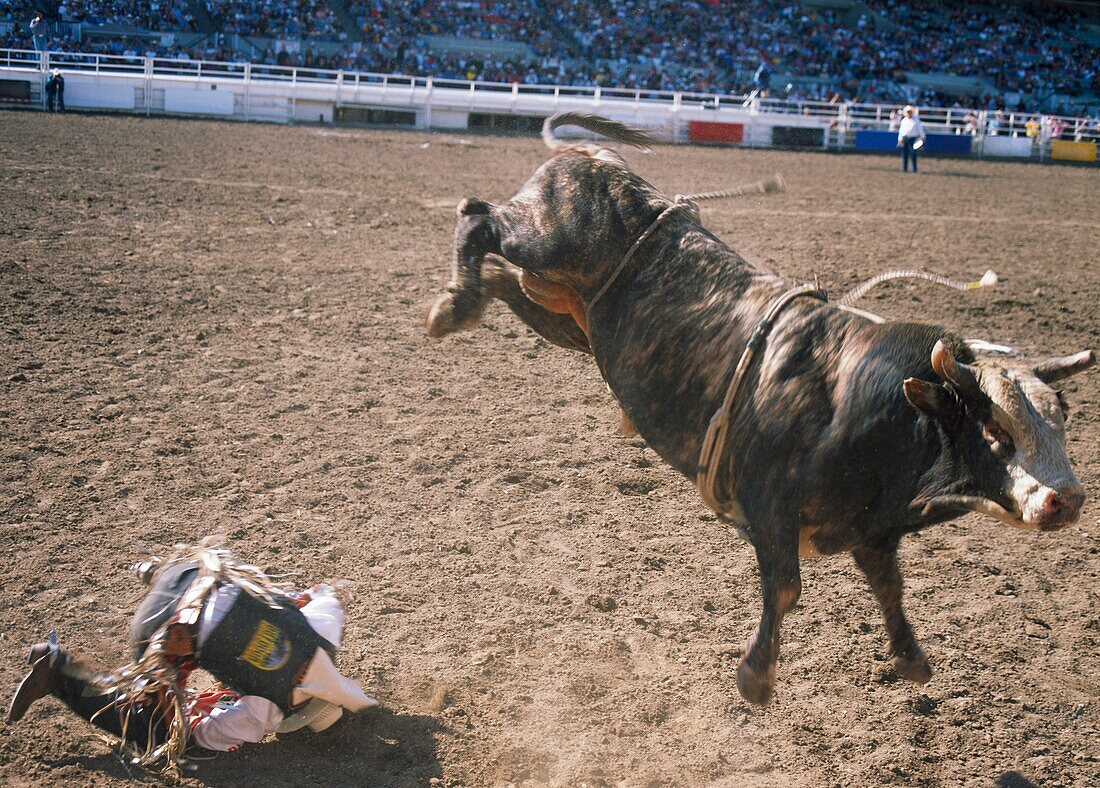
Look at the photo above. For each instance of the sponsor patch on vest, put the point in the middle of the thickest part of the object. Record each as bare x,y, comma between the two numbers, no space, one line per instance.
269,648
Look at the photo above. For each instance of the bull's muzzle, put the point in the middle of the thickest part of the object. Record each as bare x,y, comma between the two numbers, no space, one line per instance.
1060,507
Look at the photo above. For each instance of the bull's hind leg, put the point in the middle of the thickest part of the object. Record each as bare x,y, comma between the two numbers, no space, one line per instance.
477,234
883,575
781,583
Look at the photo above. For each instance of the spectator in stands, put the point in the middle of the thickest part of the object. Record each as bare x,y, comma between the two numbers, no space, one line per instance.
970,124
1026,50
910,133
993,126
55,91
1057,128
762,79
38,33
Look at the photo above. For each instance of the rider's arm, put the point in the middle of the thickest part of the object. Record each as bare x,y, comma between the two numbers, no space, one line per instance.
248,720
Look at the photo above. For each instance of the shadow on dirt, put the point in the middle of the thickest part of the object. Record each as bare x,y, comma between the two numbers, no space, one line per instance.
934,173
375,748
1014,780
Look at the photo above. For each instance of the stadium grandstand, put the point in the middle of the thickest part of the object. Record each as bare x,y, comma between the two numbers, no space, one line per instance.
1025,57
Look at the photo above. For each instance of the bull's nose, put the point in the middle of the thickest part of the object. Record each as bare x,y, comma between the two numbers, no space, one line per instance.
1063,506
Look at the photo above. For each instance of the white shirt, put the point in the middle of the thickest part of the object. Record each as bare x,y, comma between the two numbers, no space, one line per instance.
910,127
252,717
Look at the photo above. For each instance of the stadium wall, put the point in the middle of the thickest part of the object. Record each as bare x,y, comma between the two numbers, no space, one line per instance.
252,92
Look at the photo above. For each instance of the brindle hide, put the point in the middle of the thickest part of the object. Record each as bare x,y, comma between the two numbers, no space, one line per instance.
827,446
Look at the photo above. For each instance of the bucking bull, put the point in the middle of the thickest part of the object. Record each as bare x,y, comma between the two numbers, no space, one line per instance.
843,435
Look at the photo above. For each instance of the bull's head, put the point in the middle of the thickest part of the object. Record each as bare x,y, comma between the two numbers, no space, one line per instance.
1008,428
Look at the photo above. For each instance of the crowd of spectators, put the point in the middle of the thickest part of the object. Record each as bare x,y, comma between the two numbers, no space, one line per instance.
286,19
169,15
707,46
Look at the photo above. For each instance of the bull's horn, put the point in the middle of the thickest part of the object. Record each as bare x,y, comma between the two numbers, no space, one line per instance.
962,376
1056,369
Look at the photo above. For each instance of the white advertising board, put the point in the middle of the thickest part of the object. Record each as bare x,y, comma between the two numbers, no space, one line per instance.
1007,146
96,93
203,101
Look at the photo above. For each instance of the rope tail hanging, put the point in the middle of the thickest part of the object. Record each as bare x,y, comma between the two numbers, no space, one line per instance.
989,279
772,185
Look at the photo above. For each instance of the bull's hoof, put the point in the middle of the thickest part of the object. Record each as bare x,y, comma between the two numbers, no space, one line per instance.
626,425
450,313
756,686
913,666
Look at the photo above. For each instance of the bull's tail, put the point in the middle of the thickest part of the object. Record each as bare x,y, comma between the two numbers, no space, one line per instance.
605,127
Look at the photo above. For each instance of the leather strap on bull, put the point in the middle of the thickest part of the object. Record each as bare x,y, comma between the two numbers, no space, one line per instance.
714,443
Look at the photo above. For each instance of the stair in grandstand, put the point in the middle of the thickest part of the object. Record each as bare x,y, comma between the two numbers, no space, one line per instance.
344,19
202,16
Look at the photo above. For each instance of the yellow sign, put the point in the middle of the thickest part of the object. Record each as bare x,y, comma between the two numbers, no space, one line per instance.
1073,151
268,649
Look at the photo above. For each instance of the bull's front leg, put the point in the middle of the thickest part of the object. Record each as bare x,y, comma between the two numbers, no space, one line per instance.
477,233
781,583
560,327
883,575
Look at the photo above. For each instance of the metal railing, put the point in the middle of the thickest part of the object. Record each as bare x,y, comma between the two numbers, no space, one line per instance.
837,118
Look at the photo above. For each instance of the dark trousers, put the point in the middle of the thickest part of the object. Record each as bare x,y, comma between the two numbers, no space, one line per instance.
57,98
143,721
908,152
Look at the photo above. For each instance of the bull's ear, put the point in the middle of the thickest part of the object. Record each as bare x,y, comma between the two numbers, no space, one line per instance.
1055,369
931,399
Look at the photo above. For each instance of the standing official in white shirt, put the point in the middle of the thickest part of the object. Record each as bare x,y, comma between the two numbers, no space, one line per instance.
910,137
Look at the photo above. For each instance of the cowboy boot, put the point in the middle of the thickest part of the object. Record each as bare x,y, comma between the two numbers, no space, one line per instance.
45,660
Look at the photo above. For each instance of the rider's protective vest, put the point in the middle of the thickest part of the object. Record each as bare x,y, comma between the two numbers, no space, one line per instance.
260,650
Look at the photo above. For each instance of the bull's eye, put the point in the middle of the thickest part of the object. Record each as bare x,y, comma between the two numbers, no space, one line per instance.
998,437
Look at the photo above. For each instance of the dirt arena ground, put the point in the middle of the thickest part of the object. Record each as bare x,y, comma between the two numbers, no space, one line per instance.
216,328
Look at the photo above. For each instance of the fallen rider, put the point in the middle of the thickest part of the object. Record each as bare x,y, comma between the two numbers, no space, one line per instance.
271,649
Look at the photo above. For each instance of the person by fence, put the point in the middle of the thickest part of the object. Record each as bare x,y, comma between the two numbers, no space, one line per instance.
55,91
910,137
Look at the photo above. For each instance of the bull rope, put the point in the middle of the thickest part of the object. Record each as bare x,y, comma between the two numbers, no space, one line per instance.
714,442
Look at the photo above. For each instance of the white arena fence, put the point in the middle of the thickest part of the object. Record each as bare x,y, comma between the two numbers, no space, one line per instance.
260,92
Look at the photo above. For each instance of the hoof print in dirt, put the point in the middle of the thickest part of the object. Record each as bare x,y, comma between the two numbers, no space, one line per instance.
601,602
